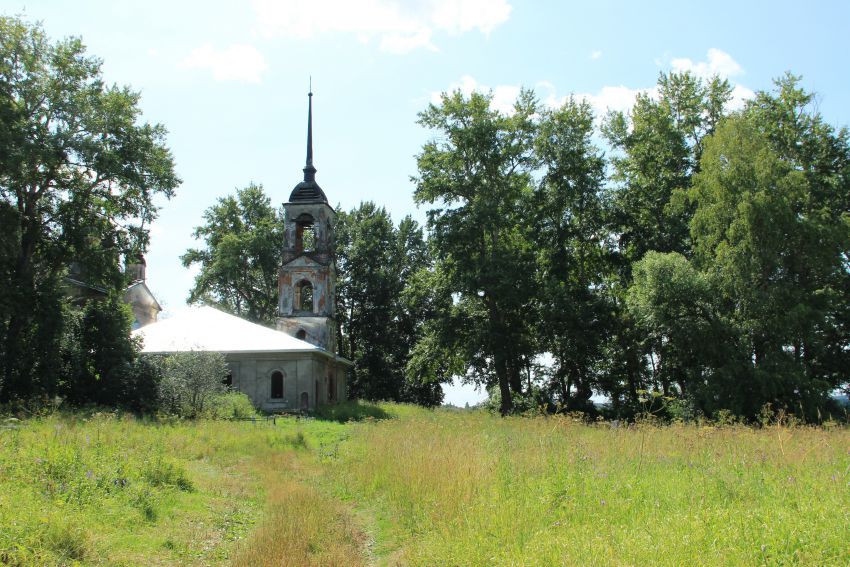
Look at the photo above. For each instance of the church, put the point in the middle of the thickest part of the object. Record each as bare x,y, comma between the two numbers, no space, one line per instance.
295,366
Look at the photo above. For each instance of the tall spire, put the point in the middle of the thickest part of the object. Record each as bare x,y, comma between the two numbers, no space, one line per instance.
309,170
308,191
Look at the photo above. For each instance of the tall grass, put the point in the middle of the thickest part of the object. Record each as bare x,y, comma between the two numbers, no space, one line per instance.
109,489
301,526
422,488
461,488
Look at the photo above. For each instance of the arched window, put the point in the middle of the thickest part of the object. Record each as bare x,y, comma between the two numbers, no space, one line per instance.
331,388
304,296
277,385
301,334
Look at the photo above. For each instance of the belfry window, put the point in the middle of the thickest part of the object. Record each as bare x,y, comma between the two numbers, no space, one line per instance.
305,234
304,296
277,385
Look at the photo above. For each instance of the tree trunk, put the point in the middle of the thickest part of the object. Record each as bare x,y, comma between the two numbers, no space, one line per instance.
507,404
514,375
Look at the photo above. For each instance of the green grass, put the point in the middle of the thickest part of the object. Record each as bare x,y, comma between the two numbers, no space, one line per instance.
465,488
393,484
116,490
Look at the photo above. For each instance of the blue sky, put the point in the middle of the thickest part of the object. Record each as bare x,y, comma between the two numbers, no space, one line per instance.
229,79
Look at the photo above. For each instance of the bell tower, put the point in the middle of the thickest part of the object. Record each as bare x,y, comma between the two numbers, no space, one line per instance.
307,280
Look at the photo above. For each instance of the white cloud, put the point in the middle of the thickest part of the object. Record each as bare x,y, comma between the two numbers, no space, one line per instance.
619,98
608,98
459,16
740,96
504,96
596,54
398,27
238,62
719,63
401,43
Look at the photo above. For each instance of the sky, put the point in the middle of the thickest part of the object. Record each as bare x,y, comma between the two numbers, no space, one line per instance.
229,81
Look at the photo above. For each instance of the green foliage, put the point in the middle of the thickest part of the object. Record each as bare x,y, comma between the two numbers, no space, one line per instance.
67,540
164,472
431,487
771,230
79,172
569,209
352,410
230,405
191,381
243,237
381,308
100,365
476,174
118,490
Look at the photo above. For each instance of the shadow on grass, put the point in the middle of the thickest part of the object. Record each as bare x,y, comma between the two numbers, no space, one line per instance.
351,411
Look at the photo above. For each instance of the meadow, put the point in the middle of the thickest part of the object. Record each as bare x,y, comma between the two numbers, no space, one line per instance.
406,486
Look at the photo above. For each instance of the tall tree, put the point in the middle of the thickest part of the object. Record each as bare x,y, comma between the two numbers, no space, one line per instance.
658,146
78,177
691,348
476,173
772,227
379,323
569,211
243,237
657,149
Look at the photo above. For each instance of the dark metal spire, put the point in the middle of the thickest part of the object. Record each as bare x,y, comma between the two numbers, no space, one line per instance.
308,190
309,170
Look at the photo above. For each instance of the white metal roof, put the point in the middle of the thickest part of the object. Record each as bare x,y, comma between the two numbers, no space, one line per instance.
208,329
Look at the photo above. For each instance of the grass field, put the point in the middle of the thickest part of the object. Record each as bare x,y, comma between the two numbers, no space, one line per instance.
422,488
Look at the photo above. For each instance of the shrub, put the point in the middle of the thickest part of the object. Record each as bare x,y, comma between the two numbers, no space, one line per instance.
190,381
231,405
353,410
162,472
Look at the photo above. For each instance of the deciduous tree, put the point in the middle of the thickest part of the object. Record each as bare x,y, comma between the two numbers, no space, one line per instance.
569,211
79,172
476,175
243,237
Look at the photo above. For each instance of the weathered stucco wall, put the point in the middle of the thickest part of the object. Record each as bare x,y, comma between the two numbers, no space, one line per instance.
302,372
322,279
144,305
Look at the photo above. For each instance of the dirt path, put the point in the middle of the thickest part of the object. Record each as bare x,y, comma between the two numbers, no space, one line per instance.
302,524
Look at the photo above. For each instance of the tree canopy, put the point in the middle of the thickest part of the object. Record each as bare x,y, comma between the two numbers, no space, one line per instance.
710,265
239,265
79,173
